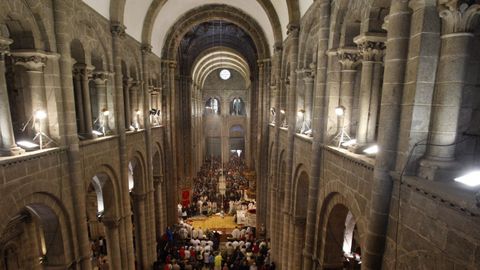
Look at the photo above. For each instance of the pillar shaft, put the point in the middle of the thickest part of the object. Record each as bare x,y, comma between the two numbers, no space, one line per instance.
118,31
87,103
76,181
77,84
113,244
372,53
398,27
7,142
458,25
317,125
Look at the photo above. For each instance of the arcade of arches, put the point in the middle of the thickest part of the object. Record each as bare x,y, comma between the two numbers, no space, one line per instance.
358,118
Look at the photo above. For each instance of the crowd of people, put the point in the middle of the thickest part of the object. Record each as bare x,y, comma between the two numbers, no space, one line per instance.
186,247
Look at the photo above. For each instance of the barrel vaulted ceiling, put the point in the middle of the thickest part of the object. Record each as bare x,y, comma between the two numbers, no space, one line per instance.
149,21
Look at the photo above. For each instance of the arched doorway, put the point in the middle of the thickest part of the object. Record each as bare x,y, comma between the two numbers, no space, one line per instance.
342,246
33,239
300,216
237,141
102,218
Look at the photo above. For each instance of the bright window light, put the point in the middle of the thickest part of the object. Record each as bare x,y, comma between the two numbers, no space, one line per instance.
371,150
106,113
282,111
471,179
27,145
349,143
96,132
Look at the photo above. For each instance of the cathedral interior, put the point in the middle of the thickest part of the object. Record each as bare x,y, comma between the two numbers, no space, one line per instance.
360,120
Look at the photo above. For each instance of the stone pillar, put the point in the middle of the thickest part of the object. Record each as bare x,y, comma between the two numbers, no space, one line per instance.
35,99
258,153
398,29
113,242
318,119
7,141
134,105
348,59
118,32
77,85
76,183
127,83
141,230
299,242
308,79
459,20
372,50
100,79
87,103
152,236
293,31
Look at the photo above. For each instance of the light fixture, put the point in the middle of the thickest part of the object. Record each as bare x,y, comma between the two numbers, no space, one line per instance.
340,110
371,150
96,132
471,179
106,113
40,115
137,112
27,145
349,143
282,111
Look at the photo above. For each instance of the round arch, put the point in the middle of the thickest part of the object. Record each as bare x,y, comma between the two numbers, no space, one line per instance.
214,12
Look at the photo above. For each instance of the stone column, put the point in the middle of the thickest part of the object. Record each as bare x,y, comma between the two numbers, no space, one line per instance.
293,31
308,79
118,32
140,229
87,103
76,183
318,119
127,83
398,36
100,79
371,49
7,142
258,153
77,85
348,58
113,242
459,20
35,99
299,242
134,105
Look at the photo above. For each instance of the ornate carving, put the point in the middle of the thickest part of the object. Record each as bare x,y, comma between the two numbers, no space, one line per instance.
118,30
372,50
292,29
33,61
277,47
348,58
459,16
111,222
100,77
4,47
146,49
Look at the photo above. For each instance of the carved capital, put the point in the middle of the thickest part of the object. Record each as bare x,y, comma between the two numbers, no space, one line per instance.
277,47
293,29
139,196
100,77
83,70
372,50
32,61
146,49
4,47
117,29
459,16
348,58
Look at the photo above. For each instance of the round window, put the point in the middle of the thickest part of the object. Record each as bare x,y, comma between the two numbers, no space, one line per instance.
225,74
